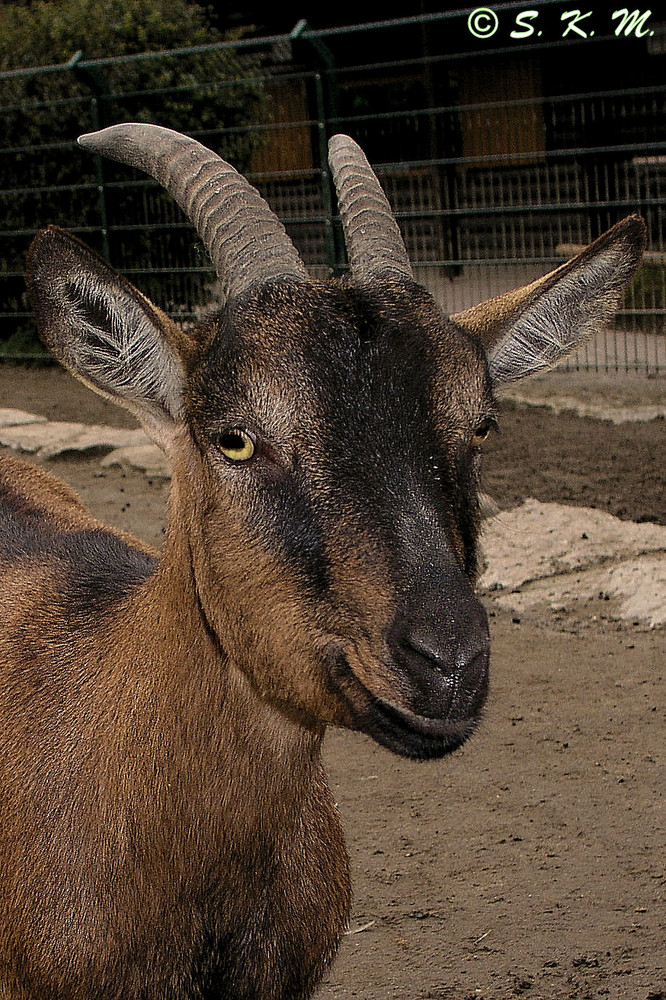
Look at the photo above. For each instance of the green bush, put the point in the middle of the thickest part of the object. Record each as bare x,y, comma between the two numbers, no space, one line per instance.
45,178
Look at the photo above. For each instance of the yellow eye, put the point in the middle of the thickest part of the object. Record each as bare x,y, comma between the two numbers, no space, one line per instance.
481,433
236,445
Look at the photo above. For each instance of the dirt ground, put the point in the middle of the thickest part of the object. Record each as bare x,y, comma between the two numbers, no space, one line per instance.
533,861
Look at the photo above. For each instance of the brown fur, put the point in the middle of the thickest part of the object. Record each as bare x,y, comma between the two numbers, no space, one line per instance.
116,821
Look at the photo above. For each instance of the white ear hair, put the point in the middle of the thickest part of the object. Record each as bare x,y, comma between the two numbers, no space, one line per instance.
561,318
106,332
531,329
118,347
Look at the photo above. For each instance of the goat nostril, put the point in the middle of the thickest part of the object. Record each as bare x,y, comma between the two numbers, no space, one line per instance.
470,656
447,676
427,648
474,674
443,660
462,658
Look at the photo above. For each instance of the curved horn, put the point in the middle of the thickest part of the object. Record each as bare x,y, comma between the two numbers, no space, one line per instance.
245,240
374,244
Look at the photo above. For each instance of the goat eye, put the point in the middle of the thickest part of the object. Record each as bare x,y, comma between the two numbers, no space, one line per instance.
481,433
236,445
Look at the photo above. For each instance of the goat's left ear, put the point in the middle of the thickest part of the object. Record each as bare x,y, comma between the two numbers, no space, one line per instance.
531,329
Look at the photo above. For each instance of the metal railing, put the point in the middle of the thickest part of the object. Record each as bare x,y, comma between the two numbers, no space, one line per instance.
496,162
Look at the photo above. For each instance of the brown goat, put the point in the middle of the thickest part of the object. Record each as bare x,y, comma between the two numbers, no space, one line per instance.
166,829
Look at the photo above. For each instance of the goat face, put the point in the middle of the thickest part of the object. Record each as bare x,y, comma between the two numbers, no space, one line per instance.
348,524
324,436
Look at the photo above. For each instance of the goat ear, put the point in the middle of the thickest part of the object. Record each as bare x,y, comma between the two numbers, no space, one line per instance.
105,331
531,329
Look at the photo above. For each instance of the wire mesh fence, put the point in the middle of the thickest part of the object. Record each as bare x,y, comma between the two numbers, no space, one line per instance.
501,155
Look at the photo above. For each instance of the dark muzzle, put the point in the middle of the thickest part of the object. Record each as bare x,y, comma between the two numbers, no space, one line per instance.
439,656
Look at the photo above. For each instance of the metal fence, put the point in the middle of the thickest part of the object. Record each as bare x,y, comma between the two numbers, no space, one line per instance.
502,151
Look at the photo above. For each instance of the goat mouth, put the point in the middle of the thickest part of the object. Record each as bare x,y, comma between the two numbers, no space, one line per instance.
398,729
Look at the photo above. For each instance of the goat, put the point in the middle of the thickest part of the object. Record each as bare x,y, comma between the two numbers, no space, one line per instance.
166,829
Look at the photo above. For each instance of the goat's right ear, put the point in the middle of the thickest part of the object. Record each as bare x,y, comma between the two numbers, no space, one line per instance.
106,332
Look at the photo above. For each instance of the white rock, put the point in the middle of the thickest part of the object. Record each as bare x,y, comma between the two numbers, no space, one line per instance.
641,585
146,458
635,589
15,418
599,411
538,540
558,557
48,439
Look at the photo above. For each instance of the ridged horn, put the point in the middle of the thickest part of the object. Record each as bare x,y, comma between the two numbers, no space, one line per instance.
245,240
374,245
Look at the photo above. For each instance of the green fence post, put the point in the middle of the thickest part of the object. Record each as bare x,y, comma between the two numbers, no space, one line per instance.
93,77
334,248
326,100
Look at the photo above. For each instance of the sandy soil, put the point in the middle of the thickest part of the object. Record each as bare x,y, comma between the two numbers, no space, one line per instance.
532,862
